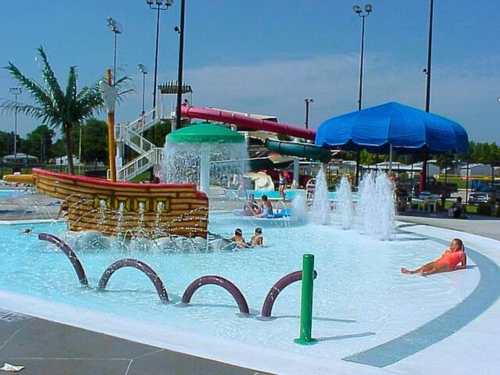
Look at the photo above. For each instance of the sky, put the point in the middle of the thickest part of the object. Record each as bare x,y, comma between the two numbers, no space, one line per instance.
267,57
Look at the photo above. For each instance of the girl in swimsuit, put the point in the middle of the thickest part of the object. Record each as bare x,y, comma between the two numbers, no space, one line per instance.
452,259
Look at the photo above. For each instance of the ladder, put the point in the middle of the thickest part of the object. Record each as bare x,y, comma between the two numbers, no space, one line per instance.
130,134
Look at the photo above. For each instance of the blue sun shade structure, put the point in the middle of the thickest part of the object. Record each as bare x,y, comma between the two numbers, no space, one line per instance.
406,128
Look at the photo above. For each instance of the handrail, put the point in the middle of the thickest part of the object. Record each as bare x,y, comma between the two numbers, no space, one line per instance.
140,164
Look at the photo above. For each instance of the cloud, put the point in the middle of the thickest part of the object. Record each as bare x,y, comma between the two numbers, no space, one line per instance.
464,91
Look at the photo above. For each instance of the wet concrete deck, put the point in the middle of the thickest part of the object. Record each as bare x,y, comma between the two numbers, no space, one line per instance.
45,347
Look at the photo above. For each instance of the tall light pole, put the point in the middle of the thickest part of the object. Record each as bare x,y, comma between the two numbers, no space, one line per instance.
16,91
144,71
363,13
177,124
158,6
116,29
427,71
307,101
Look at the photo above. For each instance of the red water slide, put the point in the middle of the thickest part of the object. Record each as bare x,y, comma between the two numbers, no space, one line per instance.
246,121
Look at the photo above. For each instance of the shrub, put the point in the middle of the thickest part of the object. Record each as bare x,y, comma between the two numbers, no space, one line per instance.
484,209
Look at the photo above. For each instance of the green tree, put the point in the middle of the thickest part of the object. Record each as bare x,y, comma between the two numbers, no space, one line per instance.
5,143
94,143
39,142
444,161
53,106
367,158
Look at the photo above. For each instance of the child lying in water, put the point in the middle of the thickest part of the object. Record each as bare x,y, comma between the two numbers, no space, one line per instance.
452,259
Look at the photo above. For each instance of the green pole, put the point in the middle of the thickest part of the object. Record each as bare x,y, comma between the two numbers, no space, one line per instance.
306,301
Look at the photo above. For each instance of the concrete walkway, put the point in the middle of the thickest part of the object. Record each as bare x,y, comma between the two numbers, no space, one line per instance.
485,226
45,347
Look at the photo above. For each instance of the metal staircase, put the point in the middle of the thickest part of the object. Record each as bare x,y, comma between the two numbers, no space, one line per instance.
130,134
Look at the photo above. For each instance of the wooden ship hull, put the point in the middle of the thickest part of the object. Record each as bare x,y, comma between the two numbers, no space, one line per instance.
129,209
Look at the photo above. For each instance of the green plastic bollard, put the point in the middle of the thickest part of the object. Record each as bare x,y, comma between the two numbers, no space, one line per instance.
306,301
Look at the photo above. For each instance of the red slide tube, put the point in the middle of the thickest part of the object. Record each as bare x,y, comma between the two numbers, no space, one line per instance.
246,121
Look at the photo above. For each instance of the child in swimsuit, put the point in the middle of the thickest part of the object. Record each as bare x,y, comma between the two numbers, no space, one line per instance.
266,208
452,259
257,238
238,239
281,184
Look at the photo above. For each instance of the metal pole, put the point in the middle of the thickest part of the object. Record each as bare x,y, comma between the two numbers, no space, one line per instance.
80,150
306,301
114,59
467,184
307,114
143,91
111,137
15,129
423,181
181,62
155,79
390,158
429,59
358,158
360,94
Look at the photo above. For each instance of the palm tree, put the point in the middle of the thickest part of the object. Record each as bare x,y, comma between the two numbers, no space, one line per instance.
59,109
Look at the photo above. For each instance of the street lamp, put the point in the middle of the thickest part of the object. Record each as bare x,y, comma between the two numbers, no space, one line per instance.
15,91
116,29
308,101
363,13
427,71
144,71
180,31
157,5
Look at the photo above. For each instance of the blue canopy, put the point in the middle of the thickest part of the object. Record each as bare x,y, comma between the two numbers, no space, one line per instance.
406,128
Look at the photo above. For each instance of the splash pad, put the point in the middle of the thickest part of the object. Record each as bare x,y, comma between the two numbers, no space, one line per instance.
203,153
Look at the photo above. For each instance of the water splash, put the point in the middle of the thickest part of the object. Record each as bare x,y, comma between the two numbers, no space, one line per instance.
140,220
321,203
345,207
386,205
119,220
102,214
376,207
299,207
227,164
159,210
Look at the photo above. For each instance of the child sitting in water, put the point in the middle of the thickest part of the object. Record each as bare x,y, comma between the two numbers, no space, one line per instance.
251,207
238,239
266,208
257,238
452,259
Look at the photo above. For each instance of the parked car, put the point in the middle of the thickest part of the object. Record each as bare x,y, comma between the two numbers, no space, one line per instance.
481,197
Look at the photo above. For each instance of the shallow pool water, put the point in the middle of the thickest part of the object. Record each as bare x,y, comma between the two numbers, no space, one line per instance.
4,194
360,297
